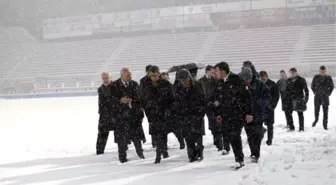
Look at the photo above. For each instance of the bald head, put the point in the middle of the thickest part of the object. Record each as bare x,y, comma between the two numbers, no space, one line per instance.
106,78
125,74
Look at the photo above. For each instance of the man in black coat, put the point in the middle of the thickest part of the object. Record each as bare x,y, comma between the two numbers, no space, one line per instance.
159,98
274,94
128,111
189,110
248,64
322,87
260,100
230,102
209,84
297,97
177,130
105,110
281,84
144,82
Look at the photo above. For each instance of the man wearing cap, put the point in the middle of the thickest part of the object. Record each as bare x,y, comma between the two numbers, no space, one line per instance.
248,64
159,98
105,111
260,99
230,103
127,108
298,95
269,114
189,108
322,87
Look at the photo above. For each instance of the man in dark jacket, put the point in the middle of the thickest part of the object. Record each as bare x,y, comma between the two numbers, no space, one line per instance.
281,84
105,117
209,84
269,114
248,64
144,82
322,87
177,130
230,103
159,99
128,111
297,97
260,100
189,109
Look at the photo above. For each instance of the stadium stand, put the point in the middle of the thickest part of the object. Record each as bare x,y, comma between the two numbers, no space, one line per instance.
273,38
321,48
274,47
164,50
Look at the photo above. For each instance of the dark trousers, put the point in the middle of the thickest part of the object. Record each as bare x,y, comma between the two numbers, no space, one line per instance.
233,135
161,144
269,123
122,148
178,134
101,141
325,109
290,122
153,137
224,140
254,132
138,146
194,145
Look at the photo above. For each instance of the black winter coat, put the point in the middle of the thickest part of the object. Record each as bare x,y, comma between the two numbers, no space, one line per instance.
231,100
281,84
209,84
105,109
273,90
159,99
297,94
127,116
322,87
144,82
189,107
260,100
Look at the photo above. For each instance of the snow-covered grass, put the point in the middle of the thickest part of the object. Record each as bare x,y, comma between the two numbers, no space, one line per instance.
52,141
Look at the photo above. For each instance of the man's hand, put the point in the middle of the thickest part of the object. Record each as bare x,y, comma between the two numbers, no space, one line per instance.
219,119
249,118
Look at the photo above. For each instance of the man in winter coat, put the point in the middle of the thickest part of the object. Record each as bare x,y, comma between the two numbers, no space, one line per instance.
128,111
177,130
274,94
297,97
105,111
322,87
260,100
209,84
159,99
144,82
248,64
281,84
230,102
189,109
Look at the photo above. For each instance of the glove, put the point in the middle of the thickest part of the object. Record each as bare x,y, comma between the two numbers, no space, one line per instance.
144,141
305,100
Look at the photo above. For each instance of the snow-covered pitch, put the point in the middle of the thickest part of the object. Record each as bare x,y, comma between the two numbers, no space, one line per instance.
52,141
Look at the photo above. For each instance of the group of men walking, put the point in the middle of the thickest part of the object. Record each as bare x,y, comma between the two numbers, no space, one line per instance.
230,101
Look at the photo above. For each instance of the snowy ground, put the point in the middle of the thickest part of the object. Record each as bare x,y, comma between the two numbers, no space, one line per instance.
52,141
